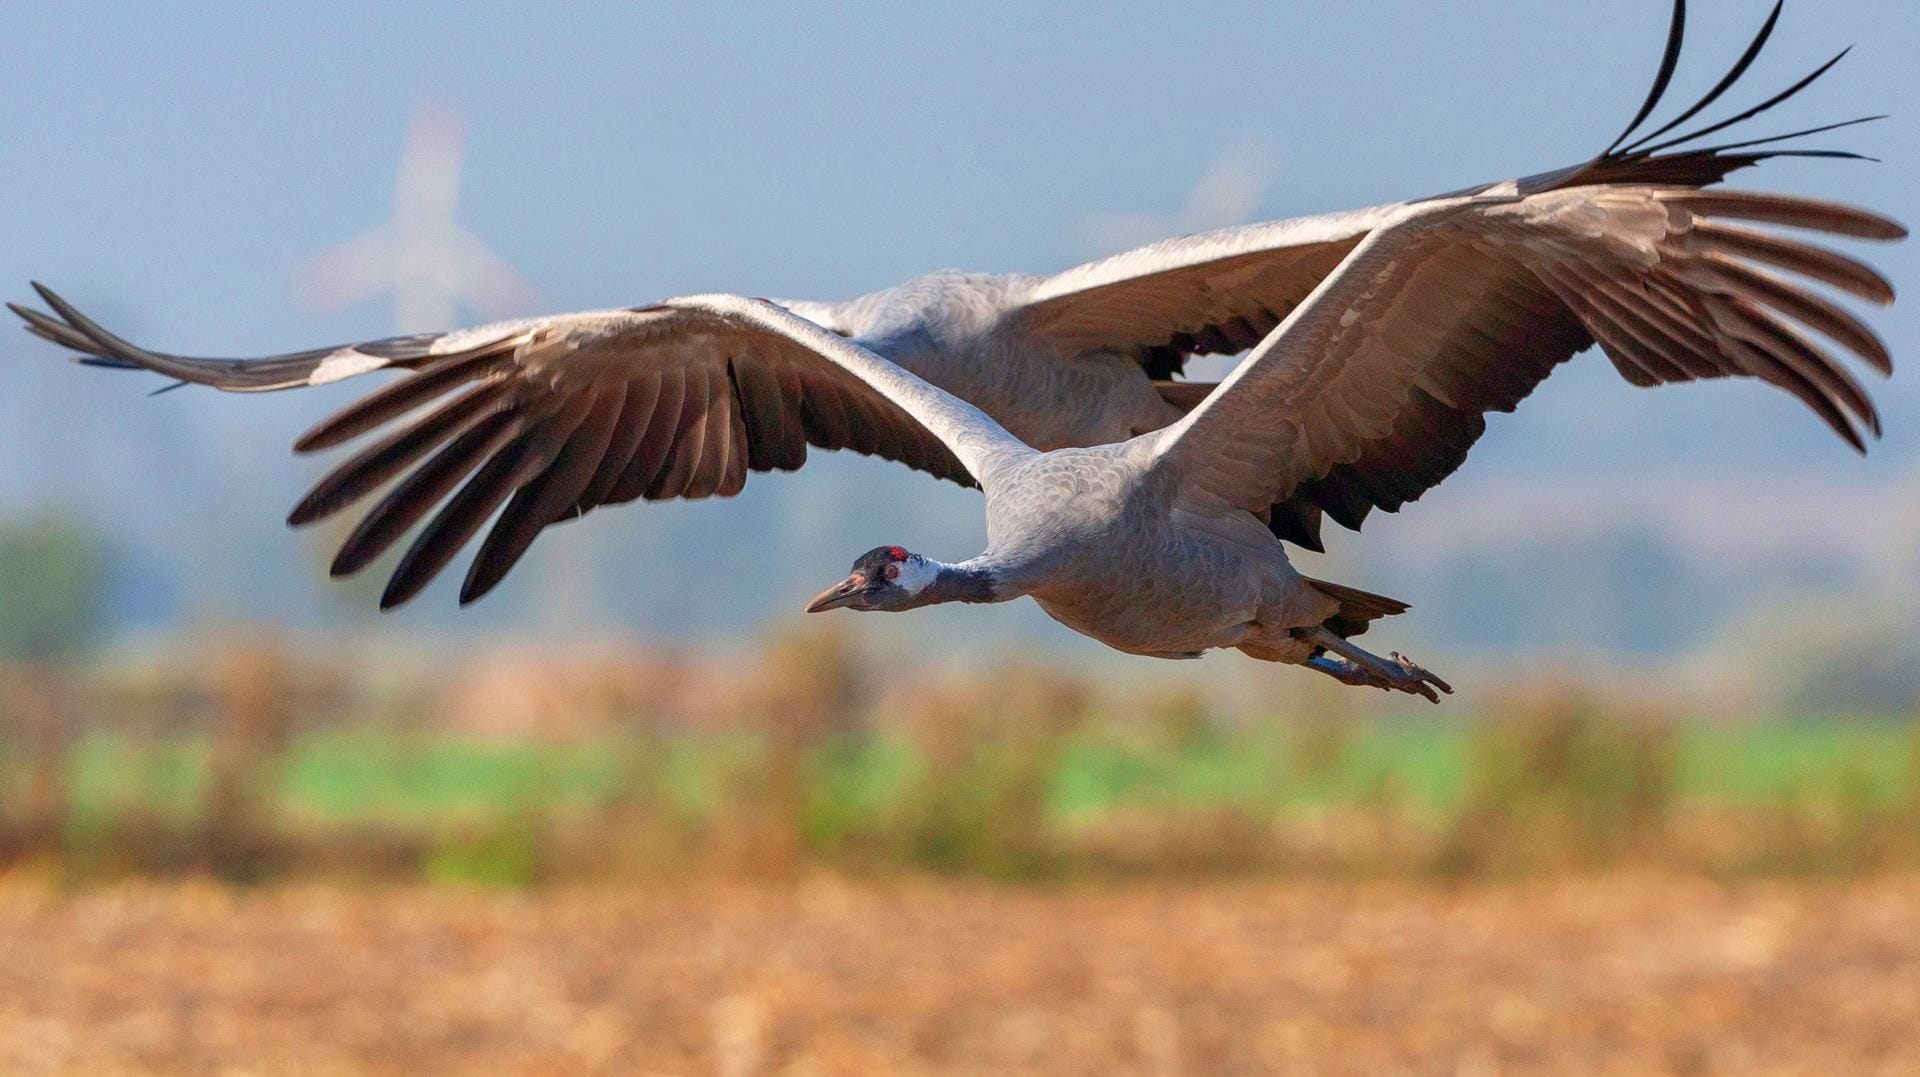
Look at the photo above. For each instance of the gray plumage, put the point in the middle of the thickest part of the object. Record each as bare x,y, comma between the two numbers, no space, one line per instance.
1142,511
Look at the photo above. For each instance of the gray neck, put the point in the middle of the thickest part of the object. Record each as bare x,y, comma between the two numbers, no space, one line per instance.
973,580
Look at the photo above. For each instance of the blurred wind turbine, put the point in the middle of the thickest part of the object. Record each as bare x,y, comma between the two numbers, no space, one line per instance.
1226,194
430,265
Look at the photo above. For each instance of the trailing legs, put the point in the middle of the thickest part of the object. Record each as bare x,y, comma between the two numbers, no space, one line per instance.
1349,664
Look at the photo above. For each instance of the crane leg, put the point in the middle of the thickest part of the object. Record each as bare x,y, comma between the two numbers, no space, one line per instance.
1351,665
1344,670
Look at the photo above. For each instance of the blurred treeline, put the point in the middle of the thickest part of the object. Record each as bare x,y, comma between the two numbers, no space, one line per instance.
251,759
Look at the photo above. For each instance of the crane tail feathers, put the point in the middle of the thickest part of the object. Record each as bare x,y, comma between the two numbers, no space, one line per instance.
1357,608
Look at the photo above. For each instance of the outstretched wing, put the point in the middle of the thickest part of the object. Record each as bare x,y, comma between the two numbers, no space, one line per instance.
551,417
1214,293
1373,387
292,370
1222,292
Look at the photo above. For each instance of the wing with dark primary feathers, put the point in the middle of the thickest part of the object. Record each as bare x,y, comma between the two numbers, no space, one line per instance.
1223,292
554,416
1338,404
97,347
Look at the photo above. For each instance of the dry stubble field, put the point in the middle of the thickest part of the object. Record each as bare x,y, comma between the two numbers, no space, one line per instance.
1628,974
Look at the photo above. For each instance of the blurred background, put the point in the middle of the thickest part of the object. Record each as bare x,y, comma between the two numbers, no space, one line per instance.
246,820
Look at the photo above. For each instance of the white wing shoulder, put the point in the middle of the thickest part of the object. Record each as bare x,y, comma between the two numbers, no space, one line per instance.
973,436
1213,292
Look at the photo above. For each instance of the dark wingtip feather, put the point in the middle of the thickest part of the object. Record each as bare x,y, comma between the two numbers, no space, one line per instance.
1670,59
68,312
1803,132
397,398
48,327
1639,162
397,595
462,515
58,332
416,495
1726,82
98,335
25,314
311,509
316,439
1847,434
1755,110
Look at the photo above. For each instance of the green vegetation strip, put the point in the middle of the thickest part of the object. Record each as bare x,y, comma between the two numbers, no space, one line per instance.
353,777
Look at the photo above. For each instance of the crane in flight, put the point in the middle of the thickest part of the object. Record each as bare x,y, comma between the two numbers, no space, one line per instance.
1144,511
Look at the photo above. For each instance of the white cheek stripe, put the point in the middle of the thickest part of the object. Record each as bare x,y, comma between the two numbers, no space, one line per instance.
915,574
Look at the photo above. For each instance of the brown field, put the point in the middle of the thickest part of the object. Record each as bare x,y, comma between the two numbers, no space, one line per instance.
249,865
1603,974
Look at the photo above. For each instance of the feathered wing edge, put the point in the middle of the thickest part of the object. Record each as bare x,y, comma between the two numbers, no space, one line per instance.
1658,158
96,346
1651,159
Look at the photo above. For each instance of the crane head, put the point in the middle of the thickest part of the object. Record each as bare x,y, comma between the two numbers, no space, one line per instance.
883,578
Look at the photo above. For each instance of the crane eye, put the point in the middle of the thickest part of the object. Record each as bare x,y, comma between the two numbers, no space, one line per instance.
891,572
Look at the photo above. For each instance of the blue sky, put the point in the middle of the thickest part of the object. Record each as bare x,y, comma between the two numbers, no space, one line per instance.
169,167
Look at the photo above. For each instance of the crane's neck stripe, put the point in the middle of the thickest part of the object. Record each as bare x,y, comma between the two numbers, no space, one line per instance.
943,582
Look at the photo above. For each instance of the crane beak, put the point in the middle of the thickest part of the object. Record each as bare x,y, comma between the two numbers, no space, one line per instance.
839,594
